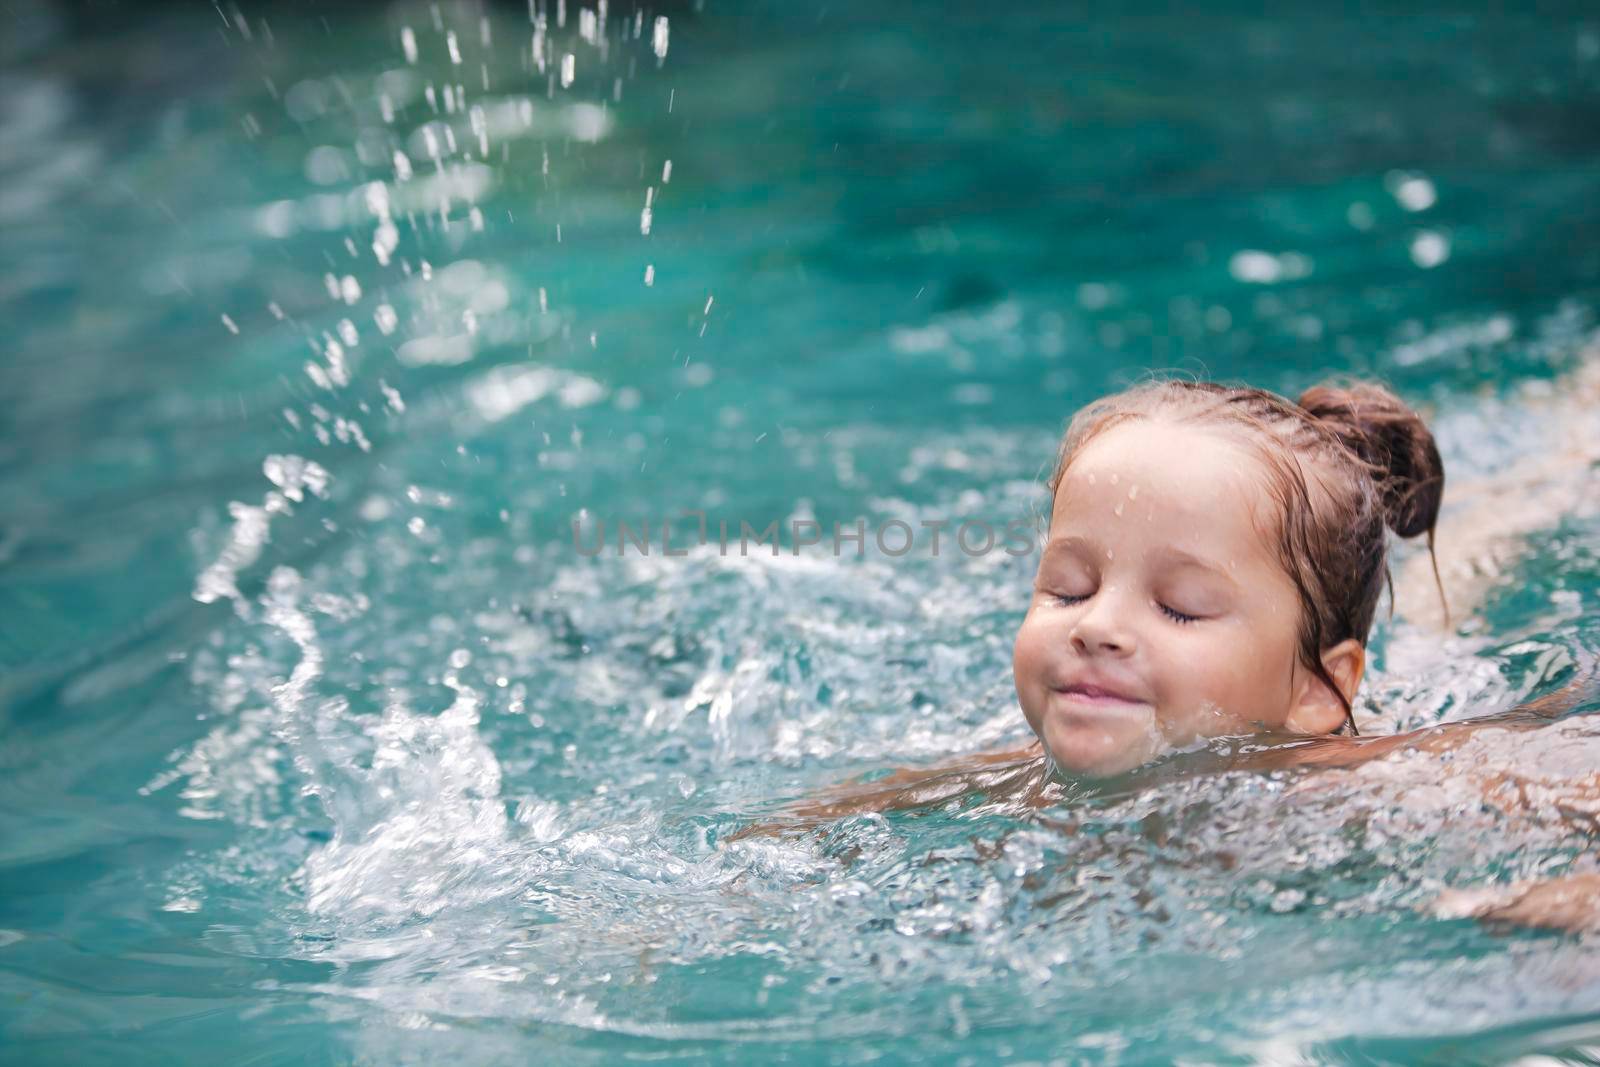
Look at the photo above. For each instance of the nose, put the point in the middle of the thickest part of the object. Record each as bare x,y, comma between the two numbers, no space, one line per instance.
1101,630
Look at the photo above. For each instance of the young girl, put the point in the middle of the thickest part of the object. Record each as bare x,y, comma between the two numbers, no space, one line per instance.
1214,562
1213,566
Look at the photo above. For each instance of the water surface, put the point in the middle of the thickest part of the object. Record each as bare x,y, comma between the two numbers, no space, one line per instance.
322,743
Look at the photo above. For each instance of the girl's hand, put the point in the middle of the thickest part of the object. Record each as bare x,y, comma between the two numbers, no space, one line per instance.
1571,903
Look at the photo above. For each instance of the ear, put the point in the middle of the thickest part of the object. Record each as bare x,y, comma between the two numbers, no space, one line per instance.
1316,709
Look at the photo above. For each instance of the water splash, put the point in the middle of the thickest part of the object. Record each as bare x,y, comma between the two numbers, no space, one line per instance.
252,524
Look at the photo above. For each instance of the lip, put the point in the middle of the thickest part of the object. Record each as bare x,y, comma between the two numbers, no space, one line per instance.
1097,694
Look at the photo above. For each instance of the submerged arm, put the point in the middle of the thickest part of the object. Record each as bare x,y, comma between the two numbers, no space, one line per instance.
1354,751
1022,776
1017,774
1521,791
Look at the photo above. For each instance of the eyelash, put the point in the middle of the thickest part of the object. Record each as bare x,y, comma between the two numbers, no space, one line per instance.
1176,616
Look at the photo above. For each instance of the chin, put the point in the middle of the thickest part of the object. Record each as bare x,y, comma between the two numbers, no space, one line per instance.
1093,750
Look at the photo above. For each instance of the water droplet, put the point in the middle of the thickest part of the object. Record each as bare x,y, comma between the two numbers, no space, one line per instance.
658,38
408,43
1429,249
1414,192
1133,493
230,324
1115,478
1093,296
650,274
569,69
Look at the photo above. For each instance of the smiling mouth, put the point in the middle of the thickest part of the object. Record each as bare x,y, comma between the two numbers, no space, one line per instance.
1094,696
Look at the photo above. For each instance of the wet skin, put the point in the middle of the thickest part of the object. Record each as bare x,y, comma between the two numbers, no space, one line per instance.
1161,615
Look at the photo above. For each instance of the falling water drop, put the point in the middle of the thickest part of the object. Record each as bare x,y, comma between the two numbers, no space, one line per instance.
408,42
480,127
384,240
658,39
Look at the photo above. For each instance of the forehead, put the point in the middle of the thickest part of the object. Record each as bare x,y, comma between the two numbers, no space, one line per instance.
1197,488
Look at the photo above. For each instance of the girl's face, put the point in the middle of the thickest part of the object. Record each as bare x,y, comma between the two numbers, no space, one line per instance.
1160,613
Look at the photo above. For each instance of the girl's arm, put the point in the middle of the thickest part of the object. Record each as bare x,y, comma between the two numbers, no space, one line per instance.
1354,751
1570,903
1016,774
1520,792
1021,775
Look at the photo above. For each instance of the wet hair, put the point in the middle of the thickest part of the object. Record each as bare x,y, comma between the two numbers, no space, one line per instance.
1342,464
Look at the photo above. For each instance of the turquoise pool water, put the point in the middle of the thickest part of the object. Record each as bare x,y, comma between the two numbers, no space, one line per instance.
322,743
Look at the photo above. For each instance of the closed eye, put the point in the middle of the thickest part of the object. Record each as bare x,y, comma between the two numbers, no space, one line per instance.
1177,616
1067,600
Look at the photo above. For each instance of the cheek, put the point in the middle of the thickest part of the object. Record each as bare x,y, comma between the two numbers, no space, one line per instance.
1030,659
1229,682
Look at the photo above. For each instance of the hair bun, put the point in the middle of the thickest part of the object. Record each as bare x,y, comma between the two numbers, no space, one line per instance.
1395,444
